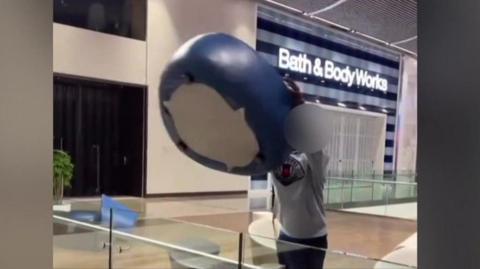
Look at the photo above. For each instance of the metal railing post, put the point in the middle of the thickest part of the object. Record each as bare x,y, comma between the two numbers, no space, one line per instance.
386,197
328,190
373,191
110,240
351,191
240,250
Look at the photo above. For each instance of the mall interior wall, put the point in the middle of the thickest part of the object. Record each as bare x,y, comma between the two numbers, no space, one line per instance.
407,120
94,55
26,127
89,54
170,23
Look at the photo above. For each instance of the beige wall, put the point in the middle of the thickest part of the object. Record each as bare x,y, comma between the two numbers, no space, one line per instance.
92,54
170,23
407,127
86,53
26,127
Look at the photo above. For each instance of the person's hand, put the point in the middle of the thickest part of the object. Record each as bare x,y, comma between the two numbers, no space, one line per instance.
295,90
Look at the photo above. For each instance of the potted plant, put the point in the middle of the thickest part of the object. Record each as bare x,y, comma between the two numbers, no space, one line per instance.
62,174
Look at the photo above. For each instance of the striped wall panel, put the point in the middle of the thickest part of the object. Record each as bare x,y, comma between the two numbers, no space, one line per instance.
276,30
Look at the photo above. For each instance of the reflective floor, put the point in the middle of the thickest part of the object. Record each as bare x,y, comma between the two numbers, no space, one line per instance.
371,236
368,235
404,211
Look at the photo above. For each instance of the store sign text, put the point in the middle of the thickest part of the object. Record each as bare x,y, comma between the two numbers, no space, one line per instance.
326,69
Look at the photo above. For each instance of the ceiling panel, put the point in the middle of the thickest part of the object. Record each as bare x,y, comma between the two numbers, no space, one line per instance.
307,5
388,20
411,45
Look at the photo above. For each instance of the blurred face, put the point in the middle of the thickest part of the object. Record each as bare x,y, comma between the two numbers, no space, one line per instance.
308,128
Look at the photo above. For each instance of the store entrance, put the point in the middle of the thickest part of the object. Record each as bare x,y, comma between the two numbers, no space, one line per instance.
102,126
357,146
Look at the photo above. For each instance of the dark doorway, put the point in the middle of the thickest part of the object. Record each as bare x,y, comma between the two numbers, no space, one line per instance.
102,126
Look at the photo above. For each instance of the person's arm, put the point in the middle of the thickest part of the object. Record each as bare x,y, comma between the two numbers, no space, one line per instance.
318,162
318,165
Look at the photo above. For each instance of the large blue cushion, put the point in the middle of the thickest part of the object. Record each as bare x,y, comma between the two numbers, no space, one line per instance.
215,68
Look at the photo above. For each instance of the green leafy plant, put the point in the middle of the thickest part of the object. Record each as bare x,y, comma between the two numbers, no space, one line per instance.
62,173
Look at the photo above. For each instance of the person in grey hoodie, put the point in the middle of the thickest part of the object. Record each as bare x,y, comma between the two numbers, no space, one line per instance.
298,204
298,186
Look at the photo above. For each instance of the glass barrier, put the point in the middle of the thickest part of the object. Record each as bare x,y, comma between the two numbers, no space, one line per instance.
392,198
263,252
399,177
80,240
167,243
142,253
121,238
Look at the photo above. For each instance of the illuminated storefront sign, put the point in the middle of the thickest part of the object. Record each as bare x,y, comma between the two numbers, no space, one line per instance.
327,69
